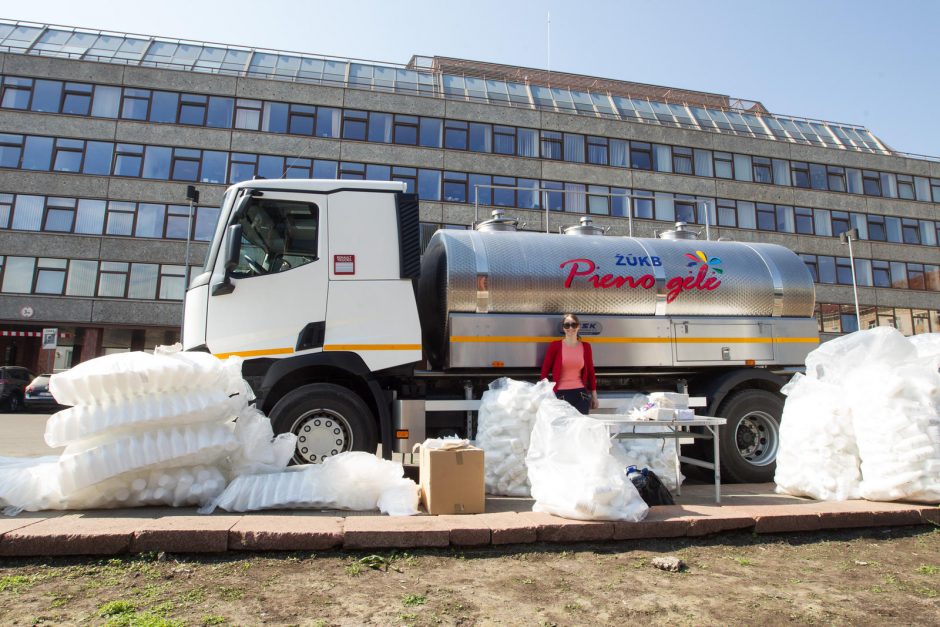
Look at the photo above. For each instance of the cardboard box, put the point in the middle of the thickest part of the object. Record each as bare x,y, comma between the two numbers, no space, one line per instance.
452,480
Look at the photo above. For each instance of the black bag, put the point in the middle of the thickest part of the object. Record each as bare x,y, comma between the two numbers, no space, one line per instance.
650,487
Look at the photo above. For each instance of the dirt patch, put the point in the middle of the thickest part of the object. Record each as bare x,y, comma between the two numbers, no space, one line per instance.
853,577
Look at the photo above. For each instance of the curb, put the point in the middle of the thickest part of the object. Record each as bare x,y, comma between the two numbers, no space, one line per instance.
155,530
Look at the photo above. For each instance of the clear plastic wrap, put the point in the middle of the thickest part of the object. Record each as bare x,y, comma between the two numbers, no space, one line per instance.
144,412
574,470
506,416
351,481
86,463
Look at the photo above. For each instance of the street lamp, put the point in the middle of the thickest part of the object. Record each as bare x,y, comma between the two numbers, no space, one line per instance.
846,237
192,195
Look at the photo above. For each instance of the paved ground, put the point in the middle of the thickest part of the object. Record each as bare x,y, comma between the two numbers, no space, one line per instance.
507,521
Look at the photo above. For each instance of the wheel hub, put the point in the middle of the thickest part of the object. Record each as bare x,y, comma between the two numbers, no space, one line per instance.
321,433
757,438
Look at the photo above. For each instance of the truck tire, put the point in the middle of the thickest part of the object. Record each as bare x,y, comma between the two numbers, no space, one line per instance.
748,443
327,419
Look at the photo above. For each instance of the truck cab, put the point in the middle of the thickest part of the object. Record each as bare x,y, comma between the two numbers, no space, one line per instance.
311,281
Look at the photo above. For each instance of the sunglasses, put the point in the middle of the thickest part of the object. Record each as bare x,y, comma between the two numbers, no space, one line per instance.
571,325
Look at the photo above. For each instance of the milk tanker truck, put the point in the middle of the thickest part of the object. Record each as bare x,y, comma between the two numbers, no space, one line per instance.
351,337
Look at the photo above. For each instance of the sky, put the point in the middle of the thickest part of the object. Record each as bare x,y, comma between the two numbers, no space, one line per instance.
873,63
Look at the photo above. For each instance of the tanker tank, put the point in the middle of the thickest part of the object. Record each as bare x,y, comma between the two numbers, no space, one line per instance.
497,272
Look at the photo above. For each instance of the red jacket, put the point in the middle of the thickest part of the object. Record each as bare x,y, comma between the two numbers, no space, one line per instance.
552,364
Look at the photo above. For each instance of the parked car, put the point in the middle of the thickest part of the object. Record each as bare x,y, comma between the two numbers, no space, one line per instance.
13,382
38,397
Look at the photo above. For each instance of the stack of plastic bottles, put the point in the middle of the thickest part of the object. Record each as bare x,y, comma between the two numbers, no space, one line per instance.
865,420
145,429
575,470
506,417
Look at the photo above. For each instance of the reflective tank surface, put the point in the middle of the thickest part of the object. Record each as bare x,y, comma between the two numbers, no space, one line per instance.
538,273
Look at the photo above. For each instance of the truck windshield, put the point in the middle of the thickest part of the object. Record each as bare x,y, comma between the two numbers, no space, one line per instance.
277,235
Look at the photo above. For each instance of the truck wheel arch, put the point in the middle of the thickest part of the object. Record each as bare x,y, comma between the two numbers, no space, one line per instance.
341,368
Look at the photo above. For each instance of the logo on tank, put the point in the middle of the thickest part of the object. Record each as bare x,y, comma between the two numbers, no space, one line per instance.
702,276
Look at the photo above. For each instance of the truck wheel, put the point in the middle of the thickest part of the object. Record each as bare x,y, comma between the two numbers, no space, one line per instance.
327,419
748,443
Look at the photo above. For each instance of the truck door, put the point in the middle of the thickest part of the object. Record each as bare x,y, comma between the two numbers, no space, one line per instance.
279,285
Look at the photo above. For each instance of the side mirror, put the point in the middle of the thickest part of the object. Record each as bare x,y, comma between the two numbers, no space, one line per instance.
233,248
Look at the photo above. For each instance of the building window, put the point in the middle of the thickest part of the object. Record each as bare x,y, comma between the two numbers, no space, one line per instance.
455,187
68,155
481,137
150,219
164,107
905,187
574,148
682,160
16,92
354,124
78,99
112,280
60,215
193,109
456,135
881,273
185,165
766,217
843,271
641,156
143,281
248,114
724,165
135,106
871,183
243,167
551,145
172,282
915,276
406,130
762,170
128,160
727,213
352,171
430,132
504,140
177,222
800,173
909,231
597,150
50,276
810,261
82,277
804,220
876,229
840,222
302,120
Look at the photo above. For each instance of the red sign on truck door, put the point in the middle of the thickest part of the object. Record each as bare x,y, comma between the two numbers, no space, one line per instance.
344,264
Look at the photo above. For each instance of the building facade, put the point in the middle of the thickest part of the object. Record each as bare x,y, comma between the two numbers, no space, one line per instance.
102,133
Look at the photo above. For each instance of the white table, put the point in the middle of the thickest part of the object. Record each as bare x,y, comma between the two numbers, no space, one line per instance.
620,425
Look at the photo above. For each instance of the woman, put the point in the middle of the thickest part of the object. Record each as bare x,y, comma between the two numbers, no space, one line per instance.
571,365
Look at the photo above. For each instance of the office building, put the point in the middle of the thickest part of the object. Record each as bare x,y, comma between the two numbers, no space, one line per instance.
102,133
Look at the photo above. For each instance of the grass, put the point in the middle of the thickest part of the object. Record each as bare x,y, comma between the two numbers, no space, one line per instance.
231,594
125,614
411,600
928,570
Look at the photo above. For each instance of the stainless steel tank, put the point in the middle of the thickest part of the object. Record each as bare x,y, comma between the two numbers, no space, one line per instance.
536,273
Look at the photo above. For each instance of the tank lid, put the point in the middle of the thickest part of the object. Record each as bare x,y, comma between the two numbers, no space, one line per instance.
499,222
680,232
586,227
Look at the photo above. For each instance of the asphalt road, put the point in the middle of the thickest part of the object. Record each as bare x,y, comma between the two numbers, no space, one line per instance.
21,435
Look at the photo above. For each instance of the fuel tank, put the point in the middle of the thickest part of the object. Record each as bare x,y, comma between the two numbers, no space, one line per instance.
512,272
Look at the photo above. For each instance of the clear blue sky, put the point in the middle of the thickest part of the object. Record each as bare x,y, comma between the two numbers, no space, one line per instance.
874,63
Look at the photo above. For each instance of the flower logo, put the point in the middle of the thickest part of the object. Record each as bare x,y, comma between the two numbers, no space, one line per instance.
700,258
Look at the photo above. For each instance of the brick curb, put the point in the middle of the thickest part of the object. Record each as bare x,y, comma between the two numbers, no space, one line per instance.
138,531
